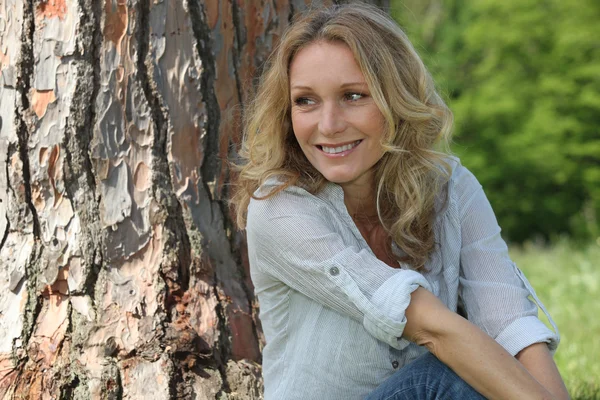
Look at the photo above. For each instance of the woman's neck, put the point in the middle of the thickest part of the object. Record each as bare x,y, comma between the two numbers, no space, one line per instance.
360,200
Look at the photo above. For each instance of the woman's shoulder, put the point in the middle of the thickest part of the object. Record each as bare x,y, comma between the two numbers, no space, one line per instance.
461,178
275,198
275,191
462,187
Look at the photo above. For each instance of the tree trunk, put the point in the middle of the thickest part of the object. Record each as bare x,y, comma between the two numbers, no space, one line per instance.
121,273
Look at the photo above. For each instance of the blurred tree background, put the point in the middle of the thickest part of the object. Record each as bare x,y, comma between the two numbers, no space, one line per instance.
523,80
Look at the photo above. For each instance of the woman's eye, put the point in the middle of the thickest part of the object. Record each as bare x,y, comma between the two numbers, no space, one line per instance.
303,101
354,96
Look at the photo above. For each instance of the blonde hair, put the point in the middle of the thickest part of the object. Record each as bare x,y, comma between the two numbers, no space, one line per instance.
411,173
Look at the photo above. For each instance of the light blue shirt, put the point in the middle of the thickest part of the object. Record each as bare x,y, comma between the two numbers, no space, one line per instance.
333,313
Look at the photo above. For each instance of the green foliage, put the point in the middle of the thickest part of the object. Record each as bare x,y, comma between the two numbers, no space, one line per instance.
523,79
567,281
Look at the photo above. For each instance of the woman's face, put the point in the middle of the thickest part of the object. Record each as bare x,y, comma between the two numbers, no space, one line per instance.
334,118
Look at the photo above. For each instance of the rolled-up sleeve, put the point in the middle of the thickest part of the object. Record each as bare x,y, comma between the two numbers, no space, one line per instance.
495,293
291,241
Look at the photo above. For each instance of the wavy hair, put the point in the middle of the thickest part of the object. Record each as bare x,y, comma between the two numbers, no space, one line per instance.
414,167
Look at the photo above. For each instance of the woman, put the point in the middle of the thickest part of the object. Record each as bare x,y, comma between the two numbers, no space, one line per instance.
364,240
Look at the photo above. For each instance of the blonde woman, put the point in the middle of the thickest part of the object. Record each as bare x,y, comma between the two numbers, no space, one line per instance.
365,240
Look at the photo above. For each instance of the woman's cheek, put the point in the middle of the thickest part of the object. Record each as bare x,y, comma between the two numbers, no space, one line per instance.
300,127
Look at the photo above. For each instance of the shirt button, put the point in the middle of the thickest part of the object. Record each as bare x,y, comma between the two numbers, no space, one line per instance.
334,271
395,364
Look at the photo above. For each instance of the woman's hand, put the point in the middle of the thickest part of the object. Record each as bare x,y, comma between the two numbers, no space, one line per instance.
471,353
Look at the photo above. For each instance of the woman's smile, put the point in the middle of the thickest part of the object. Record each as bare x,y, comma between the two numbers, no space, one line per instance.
338,150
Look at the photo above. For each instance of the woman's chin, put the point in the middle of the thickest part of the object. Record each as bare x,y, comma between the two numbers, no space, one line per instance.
342,177
338,178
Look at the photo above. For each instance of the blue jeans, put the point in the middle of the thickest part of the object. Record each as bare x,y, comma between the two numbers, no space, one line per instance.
425,378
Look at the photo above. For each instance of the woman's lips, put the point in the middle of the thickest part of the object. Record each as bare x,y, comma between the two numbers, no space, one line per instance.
339,150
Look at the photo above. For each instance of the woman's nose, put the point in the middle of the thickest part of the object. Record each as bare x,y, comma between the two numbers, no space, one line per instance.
332,119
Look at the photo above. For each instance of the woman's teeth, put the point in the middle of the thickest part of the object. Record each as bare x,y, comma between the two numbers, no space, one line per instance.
335,150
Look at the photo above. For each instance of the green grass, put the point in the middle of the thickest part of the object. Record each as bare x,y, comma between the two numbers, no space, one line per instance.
567,280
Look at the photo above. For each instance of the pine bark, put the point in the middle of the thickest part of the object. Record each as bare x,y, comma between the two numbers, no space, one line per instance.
121,273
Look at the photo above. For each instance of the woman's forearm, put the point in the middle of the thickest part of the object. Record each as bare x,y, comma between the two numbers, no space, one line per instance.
468,351
538,361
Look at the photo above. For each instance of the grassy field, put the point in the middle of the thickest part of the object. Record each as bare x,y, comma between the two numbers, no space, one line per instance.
567,280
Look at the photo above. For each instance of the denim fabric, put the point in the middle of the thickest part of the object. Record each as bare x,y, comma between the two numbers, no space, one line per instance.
425,378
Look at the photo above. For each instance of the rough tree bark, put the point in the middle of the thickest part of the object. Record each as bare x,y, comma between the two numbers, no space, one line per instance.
121,274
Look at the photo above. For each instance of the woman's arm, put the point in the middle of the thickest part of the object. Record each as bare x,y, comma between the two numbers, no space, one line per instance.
293,242
538,361
495,292
468,351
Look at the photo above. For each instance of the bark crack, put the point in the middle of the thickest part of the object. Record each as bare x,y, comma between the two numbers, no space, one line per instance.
90,27
92,277
25,66
221,351
8,188
210,165
34,302
5,236
162,185
237,23
77,154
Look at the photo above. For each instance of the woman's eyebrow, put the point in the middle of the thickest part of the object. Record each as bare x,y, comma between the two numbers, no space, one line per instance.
301,87
344,85
363,83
